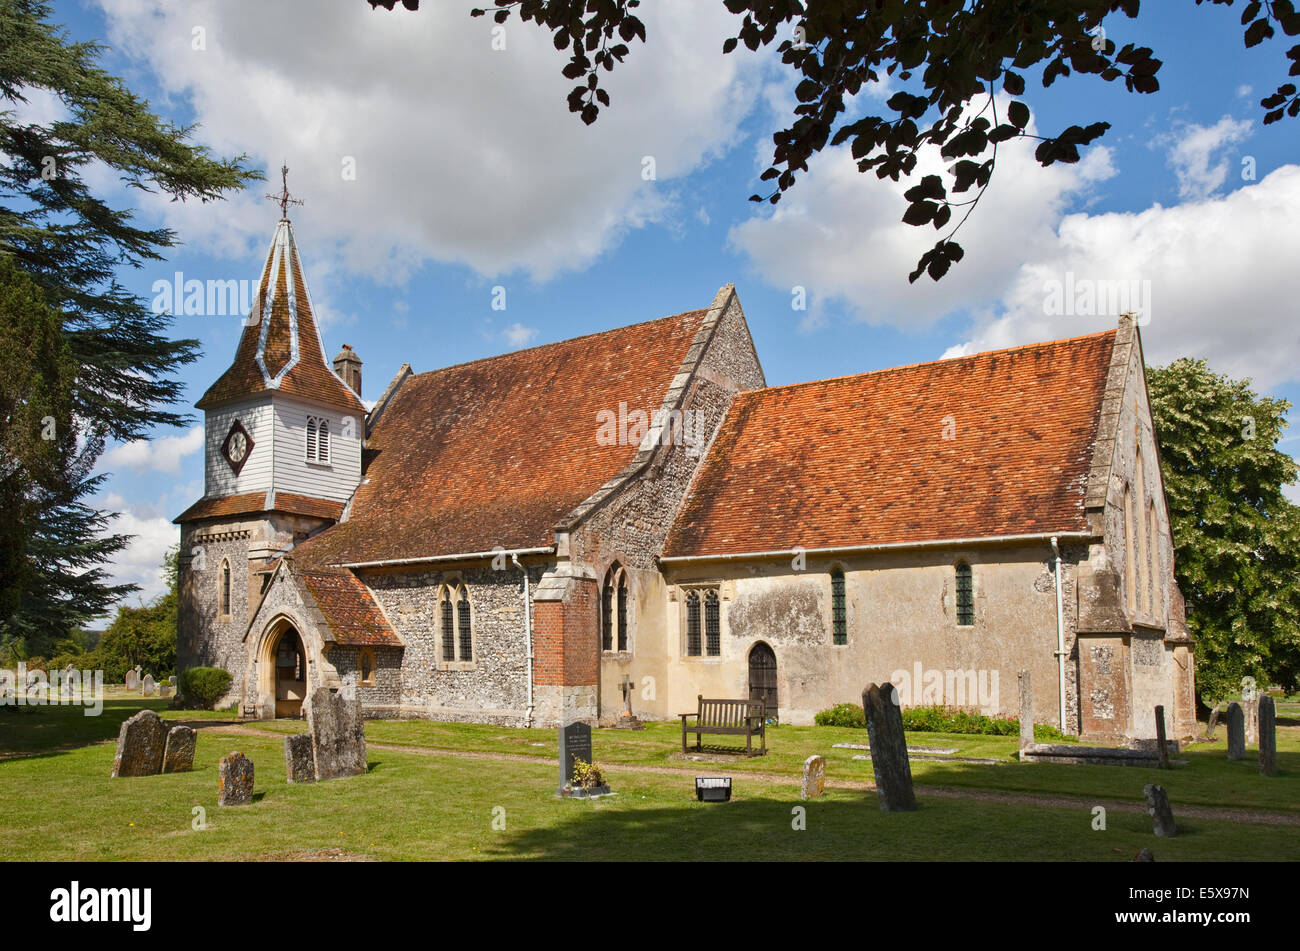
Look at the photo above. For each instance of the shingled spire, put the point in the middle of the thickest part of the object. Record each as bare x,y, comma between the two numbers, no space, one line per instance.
281,348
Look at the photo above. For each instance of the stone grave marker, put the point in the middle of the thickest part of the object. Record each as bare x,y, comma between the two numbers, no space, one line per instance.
140,745
1215,715
164,690
814,777
1162,815
173,681
575,744
627,720
299,765
338,735
888,748
1236,720
178,754
149,686
132,680
1250,708
235,780
1267,736
1026,711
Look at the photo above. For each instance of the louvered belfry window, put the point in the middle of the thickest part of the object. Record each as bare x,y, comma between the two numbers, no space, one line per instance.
693,624
839,617
318,439
311,438
448,628
965,596
712,625
462,619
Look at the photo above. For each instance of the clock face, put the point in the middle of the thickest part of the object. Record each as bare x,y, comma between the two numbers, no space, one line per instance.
237,446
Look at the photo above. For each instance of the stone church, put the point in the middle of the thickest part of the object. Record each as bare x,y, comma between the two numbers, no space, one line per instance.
536,537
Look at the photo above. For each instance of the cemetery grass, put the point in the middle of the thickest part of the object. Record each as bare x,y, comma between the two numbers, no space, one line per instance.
61,803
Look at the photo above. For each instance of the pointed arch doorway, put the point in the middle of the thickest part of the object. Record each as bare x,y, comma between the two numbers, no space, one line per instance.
762,677
290,673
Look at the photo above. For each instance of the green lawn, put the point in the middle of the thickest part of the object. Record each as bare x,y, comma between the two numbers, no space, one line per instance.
61,804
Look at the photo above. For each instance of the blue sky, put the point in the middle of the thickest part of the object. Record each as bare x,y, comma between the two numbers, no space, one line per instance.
468,173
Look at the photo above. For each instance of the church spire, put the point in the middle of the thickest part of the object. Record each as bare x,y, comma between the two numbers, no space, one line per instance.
281,349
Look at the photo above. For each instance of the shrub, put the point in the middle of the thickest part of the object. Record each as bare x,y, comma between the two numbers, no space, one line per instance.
935,719
842,714
204,686
587,775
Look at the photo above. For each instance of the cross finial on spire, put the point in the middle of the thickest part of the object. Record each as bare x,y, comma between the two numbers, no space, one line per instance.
283,199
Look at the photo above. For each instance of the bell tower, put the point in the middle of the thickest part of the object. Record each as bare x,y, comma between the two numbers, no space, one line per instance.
282,448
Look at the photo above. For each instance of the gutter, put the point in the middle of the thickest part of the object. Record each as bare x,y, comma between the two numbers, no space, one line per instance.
432,559
528,635
1060,631
886,546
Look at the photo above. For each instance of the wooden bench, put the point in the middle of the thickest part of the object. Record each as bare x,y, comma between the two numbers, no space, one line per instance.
728,717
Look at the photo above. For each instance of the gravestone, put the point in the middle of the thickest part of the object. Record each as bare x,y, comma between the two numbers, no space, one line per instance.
149,686
65,682
173,681
627,720
140,745
178,754
132,680
1162,815
1162,745
1236,720
1250,708
575,744
164,690
1267,737
235,780
888,748
1026,711
1215,716
814,777
299,766
338,735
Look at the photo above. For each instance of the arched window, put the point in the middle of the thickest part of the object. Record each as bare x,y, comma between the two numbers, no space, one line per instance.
1153,564
965,595
224,583
366,666
1130,554
462,624
693,624
318,439
712,625
448,626
613,609
839,617
311,438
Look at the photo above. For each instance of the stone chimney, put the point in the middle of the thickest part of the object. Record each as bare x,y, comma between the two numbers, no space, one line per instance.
348,366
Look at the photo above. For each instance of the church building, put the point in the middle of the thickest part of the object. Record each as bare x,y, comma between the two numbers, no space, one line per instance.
531,538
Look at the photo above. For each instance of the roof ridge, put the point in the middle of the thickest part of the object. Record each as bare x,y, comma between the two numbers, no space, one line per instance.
556,343
1042,344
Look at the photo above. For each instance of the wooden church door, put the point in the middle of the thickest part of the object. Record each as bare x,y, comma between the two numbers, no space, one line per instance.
762,677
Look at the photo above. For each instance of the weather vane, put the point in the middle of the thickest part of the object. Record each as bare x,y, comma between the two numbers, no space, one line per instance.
283,198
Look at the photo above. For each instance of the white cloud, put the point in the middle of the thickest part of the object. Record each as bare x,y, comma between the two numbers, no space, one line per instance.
154,455
1192,152
518,335
461,153
1223,275
839,233
141,561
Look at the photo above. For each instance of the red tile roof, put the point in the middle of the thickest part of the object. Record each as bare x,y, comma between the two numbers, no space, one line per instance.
350,611
311,377
251,502
862,460
498,451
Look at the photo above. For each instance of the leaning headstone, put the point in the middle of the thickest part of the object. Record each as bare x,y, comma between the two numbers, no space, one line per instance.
178,755
1026,711
1236,731
132,680
338,735
814,777
888,748
149,687
1159,809
1213,724
1162,745
299,767
140,745
1250,708
575,744
1267,737
235,780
